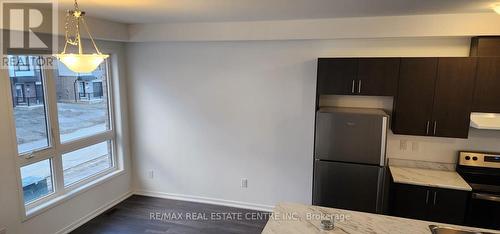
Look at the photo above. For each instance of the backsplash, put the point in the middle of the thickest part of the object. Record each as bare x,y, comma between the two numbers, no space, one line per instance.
418,148
422,164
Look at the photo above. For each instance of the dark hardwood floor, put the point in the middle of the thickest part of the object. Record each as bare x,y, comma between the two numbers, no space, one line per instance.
141,214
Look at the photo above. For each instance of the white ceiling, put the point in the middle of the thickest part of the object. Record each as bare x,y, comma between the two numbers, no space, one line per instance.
170,11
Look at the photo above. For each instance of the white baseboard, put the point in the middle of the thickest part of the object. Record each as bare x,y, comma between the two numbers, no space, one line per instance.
206,200
94,214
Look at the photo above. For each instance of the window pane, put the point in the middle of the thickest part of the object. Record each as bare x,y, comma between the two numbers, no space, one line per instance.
86,162
82,102
28,100
37,180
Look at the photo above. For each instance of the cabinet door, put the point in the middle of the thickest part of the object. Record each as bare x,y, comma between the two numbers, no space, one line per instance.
409,201
413,103
378,76
448,206
337,76
487,94
453,97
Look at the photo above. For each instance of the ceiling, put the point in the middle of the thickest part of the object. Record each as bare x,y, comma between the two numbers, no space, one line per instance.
172,11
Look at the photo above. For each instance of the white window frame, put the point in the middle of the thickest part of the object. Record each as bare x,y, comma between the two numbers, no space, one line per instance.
56,149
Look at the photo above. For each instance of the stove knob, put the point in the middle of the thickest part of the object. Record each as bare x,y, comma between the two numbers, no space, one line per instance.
467,157
474,158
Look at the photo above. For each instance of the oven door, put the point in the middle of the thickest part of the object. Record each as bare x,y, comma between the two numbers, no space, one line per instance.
484,211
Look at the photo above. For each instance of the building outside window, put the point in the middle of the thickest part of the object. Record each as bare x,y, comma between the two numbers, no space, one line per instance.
26,83
23,64
81,87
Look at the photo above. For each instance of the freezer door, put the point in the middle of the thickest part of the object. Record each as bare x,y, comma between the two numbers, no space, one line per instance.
351,137
348,186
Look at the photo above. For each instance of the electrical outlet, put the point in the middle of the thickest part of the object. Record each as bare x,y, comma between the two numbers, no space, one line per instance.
414,146
244,183
403,145
151,174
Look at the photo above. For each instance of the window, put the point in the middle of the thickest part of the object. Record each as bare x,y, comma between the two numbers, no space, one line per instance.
37,180
83,108
30,111
86,162
65,140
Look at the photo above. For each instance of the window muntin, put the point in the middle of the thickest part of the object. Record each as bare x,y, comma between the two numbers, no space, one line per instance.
87,162
82,103
36,180
30,112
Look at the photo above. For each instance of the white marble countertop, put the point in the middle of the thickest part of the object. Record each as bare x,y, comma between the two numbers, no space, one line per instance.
428,177
289,218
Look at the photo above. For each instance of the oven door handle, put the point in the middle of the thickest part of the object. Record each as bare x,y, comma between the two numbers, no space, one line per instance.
486,197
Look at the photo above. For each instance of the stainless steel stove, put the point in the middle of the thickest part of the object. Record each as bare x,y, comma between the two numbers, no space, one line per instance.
482,173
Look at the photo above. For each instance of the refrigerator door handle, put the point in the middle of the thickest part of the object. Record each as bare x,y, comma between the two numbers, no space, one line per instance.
383,142
380,193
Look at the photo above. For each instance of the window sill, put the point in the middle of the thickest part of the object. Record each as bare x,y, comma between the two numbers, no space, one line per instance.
63,198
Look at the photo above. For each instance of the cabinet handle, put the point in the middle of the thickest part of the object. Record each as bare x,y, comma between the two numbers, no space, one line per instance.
353,86
435,127
427,198
435,196
359,86
427,128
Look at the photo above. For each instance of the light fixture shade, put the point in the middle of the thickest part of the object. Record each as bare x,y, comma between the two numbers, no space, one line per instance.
496,8
82,63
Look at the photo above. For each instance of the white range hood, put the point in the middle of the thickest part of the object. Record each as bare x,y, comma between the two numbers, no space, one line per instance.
485,121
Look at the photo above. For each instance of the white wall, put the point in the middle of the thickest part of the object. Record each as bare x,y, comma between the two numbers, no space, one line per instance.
79,207
205,114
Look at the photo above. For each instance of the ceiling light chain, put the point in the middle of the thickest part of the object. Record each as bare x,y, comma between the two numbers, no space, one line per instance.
76,5
80,63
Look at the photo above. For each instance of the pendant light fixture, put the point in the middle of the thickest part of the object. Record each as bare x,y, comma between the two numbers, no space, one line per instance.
79,63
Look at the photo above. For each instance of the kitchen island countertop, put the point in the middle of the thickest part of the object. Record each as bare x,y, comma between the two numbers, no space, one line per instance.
289,218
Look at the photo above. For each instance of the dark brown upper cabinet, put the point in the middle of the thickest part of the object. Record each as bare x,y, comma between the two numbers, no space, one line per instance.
434,97
337,76
353,76
413,105
453,97
378,76
487,94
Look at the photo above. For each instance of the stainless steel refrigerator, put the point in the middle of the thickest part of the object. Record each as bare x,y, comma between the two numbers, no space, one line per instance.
349,159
